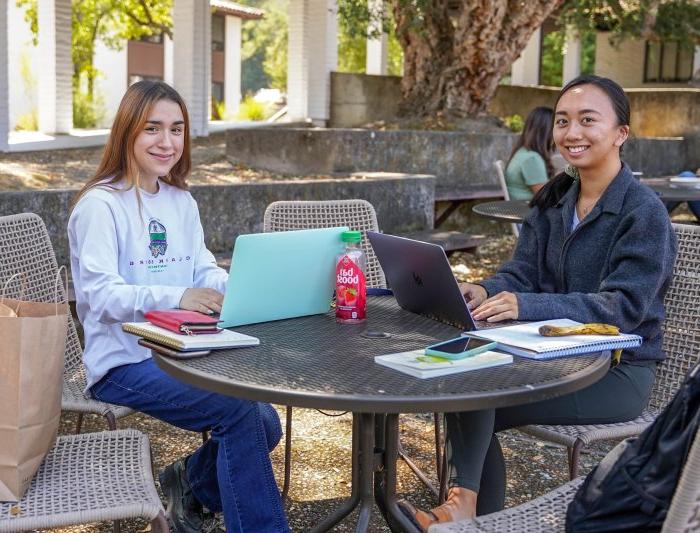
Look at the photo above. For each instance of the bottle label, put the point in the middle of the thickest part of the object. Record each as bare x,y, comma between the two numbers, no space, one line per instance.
350,291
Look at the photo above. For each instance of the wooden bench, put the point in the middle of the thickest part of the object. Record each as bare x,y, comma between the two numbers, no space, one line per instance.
451,241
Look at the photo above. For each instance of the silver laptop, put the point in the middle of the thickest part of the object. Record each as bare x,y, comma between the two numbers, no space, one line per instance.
420,276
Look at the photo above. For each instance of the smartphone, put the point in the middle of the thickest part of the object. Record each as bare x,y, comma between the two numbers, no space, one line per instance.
170,352
459,348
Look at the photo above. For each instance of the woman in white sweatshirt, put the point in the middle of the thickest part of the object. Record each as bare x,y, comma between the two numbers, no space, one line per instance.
137,244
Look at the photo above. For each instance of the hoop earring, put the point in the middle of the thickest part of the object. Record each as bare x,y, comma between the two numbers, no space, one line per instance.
572,171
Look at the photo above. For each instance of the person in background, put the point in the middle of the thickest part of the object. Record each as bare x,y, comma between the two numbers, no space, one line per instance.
137,244
530,164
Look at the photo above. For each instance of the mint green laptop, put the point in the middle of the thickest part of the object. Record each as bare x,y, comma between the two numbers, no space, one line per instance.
281,275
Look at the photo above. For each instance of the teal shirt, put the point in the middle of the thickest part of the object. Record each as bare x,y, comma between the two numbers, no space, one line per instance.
525,168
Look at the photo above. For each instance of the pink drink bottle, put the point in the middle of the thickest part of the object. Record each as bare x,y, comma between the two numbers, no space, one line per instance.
350,289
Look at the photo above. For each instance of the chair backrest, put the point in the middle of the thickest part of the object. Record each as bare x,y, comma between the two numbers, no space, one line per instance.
684,512
500,172
682,325
358,215
25,248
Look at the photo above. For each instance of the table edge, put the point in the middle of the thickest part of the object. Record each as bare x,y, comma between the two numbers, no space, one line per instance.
388,404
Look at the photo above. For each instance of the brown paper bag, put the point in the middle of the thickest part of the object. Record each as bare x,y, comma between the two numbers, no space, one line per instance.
32,350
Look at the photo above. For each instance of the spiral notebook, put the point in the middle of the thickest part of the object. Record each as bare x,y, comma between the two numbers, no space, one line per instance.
525,340
184,343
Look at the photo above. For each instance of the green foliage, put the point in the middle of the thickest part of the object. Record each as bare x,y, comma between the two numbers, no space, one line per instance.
264,47
218,110
252,110
28,121
514,123
552,58
352,48
675,19
87,111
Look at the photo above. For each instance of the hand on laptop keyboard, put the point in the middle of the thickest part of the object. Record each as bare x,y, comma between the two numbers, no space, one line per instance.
206,301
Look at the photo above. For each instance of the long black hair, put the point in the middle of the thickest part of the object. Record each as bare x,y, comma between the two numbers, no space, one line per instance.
555,189
537,136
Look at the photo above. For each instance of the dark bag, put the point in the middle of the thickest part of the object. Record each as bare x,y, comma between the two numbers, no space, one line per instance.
632,487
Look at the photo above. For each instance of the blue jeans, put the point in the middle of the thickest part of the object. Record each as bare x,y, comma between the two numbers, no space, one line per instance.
232,471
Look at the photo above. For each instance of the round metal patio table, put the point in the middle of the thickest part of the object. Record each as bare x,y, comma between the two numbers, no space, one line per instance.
315,362
504,210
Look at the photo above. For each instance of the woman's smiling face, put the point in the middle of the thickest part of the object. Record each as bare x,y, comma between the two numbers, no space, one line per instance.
159,145
586,129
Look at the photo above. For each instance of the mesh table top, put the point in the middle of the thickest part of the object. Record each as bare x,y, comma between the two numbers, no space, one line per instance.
315,362
507,210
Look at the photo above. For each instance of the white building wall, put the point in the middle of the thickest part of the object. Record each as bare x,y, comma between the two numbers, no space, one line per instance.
572,56
55,75
4,78
377,48
232,66
192,65
312,55
111,80
526,69
23,93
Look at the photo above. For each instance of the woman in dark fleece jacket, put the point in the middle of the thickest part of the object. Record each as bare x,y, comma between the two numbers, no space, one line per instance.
598,246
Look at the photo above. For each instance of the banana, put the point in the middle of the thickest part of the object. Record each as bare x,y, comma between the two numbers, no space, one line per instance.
583,329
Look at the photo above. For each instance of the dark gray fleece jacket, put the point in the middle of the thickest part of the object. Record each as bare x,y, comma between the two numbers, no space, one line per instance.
615,267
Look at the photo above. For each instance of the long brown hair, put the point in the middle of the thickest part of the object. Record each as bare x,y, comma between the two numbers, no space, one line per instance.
537,136
118,161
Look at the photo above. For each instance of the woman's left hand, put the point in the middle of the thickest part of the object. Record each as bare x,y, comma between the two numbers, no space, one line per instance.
502,306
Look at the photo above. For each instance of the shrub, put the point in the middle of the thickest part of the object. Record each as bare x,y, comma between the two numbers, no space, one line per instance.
28,121
87,113
252,110
514,123
218,110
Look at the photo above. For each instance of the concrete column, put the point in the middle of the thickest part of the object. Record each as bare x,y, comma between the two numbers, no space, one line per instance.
526,69
55,75
312,55
192,68
377,47
4,80
572,56
696,64
232,65
168,61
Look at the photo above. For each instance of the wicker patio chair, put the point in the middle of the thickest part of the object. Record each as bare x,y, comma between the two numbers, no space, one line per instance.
500,173
681,346
357,215
25,248
547,514
86,478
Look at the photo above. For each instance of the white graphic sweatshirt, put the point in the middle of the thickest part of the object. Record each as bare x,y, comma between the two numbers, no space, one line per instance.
125,263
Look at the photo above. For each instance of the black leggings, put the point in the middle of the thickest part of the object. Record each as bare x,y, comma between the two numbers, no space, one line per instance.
474,455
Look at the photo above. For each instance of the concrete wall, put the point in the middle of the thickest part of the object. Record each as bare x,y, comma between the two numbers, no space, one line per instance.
357,99
403,204
459,161
360,99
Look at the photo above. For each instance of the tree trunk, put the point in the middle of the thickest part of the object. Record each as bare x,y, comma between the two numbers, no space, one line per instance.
455,53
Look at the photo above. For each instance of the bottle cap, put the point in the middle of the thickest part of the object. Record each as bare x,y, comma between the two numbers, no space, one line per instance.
351,236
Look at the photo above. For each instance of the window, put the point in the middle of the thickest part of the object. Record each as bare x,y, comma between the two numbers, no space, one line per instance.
217,91
218,33
668,61
135,77
156,38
